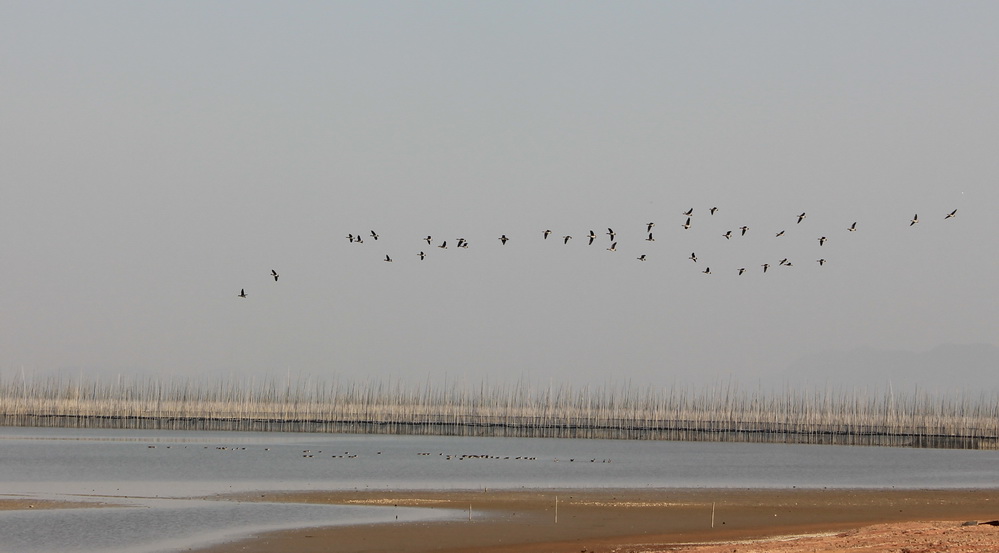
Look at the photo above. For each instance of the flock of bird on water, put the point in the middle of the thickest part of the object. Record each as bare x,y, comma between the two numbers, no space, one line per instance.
592,236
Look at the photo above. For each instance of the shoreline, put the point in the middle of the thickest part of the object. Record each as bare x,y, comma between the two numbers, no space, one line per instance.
617,520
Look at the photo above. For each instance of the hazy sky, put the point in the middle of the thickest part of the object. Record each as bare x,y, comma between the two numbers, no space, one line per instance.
157,157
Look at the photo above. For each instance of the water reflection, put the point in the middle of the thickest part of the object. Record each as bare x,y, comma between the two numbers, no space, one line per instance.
152,526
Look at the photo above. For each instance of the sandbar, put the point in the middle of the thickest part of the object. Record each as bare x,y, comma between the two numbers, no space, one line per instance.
642,520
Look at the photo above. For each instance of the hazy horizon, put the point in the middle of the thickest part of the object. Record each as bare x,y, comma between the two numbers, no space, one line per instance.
160,157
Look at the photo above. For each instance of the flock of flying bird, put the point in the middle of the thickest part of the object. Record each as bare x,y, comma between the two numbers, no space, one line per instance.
592,236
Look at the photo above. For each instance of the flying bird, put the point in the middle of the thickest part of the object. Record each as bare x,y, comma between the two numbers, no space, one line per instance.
546,233
742,270
641,257
428,239
707,271
358,239
351,238
422,256
566,238
443,245
821,262
779,234
611,233
743,228
374,235
689,212
693,257
687,224
242,293
801,217
650,238
783,262
591,236
648,227
613,247
503,239
822,240
853,227
274,274
951,214
713,210
915,219
387,258
728,235
765,267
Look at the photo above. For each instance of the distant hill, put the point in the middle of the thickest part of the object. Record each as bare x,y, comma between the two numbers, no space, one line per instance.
945,368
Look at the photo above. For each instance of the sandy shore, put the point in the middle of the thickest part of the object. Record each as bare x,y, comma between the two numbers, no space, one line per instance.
17,503
604,521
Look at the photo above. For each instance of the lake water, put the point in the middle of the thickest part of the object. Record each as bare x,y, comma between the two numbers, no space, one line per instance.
162,477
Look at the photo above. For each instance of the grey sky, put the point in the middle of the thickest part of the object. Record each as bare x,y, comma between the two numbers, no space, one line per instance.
155,158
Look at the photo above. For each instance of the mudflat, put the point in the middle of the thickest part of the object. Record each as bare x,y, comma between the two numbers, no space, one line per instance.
647,520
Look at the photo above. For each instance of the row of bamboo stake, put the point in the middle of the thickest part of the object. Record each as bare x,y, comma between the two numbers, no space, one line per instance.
722,412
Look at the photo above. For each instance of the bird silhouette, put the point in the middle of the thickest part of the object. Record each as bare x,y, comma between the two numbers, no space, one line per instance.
951,214
641,257
613,247
779,234
428,239
443,245
650,238
422,256
546,233
611,233
374,235
503,239
707,271
648,227
742,270
801,217
242,293
743,228
689,212
822,240
387,258
693,257
821,262
728,235
915,219
592,235
566,238
686,225
274,274
713,210
765,267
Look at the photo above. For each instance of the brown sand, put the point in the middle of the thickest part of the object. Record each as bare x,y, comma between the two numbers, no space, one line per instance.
19,503
605,521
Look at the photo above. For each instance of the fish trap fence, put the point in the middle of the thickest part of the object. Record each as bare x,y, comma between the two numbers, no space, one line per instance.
712,414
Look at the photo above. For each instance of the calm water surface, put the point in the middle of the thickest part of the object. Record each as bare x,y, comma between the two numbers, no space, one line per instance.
162,477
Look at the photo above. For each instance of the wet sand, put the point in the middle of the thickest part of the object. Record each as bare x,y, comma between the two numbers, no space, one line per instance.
604,521
18,503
